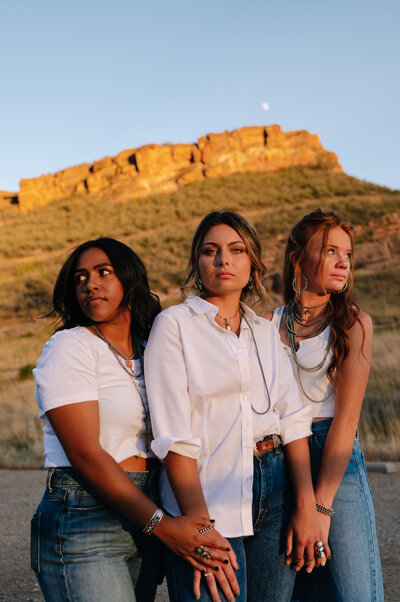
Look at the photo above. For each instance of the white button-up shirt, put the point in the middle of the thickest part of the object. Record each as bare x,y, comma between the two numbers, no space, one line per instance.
208,401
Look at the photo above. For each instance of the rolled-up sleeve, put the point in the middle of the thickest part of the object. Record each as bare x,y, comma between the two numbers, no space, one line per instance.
167,391
295,417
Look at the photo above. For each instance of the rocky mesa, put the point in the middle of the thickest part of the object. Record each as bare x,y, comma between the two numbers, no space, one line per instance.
153,168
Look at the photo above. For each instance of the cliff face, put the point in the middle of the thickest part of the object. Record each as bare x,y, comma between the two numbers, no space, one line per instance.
151,169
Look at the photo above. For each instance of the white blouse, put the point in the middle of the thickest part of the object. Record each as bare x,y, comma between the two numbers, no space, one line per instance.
208,401
314,384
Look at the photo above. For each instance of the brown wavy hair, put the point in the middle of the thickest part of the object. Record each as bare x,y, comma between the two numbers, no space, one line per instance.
253,246
342,308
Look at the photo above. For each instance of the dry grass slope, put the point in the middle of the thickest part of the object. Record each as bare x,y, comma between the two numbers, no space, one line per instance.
34,245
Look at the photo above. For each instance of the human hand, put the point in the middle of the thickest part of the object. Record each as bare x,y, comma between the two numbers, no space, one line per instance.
324,523
302,534
224,577
181,535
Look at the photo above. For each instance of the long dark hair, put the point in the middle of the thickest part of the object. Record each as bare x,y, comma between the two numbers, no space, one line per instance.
249,236
129,270
342,308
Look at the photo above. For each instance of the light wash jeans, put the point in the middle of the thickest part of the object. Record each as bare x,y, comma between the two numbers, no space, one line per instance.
354,572
263,575
81,549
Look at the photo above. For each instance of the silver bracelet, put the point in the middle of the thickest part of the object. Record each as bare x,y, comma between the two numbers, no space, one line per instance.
153,522
325,510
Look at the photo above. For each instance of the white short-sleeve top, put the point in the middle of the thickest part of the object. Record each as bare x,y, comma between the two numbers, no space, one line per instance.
208,401
77,366
315,384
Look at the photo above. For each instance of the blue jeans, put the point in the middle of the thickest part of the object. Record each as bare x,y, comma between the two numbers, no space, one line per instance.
354,572
263,575
82,549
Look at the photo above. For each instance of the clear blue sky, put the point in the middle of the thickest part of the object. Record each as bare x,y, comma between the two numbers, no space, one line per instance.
84,79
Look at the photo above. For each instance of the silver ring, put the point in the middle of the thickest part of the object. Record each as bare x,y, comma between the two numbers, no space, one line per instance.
207,574
205,528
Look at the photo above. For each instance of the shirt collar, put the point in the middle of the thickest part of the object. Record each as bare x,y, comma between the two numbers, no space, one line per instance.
201,306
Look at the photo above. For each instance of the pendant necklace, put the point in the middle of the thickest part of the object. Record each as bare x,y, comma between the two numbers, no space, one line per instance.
307,308
228,319
127,364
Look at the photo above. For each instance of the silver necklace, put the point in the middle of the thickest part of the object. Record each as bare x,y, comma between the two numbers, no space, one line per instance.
127,364
228,319
294,347
261,367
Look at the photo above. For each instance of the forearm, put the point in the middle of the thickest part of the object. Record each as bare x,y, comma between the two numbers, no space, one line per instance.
298,460
183,475
335,459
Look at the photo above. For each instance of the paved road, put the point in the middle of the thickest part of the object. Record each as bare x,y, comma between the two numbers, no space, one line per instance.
20,492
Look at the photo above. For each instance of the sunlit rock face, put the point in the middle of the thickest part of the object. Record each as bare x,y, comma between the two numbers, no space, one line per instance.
153,168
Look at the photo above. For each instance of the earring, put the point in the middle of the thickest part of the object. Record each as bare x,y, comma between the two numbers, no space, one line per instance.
305,284
199,283
342,291
250,283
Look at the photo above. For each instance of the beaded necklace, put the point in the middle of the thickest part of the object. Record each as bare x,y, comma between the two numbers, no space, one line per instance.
127,363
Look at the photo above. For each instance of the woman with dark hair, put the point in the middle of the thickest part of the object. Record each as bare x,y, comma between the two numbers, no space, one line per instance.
328,341
92,527
223,403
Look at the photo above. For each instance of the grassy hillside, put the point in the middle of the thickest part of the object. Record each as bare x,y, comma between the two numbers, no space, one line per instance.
34,245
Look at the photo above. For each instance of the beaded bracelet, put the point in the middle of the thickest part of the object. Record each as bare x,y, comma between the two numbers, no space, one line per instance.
325,509
153,522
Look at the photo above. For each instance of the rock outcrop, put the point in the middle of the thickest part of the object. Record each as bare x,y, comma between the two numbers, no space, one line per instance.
151,169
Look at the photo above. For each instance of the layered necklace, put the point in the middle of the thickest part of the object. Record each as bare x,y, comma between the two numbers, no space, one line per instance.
127,364
316,326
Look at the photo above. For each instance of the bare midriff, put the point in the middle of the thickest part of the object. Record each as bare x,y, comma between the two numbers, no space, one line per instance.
322,418
134,464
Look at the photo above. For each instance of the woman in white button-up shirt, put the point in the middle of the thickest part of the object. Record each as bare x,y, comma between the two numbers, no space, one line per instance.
218,381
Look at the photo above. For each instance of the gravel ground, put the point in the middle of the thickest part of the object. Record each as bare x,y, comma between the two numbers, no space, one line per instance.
20,492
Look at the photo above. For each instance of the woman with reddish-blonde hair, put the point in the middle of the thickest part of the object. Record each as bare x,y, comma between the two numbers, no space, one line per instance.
328,341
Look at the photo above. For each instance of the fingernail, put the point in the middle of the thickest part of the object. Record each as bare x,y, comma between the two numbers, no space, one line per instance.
212,520
216,568
226,561
236,594
228,549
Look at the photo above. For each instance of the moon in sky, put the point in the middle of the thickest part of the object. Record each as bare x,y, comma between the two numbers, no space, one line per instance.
265,106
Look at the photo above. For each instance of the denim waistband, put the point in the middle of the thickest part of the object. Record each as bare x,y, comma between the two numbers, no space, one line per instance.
69,477
321,425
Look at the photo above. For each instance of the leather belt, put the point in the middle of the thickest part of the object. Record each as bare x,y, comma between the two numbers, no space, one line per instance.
264,445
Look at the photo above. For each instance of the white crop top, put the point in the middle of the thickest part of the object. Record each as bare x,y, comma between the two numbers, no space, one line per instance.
315,384
77,366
